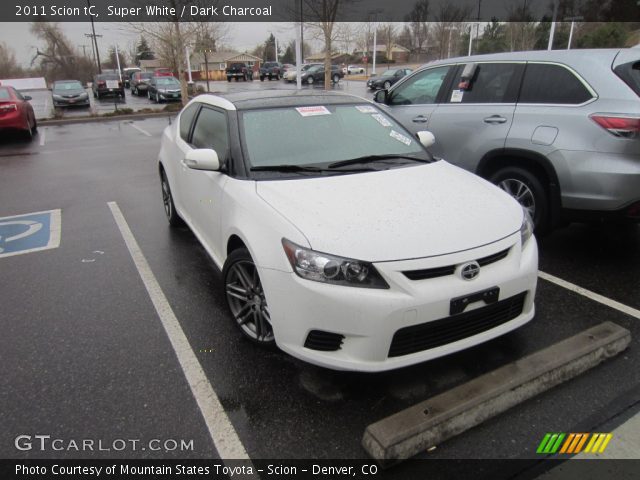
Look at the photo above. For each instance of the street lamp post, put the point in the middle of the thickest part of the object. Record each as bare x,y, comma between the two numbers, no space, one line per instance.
572,20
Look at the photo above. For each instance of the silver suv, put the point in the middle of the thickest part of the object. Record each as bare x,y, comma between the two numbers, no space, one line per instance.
559,130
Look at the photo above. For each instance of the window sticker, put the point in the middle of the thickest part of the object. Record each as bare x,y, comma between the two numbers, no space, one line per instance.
381,120
366,109
313,111
400,137
456,96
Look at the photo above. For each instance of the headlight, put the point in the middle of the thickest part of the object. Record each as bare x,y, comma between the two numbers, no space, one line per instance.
57,97
526,229
321,267
84,95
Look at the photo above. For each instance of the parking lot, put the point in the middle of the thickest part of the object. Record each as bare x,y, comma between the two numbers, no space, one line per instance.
86,356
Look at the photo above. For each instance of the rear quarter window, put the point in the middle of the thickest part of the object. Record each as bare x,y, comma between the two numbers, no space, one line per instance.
552,84
186,119
630,74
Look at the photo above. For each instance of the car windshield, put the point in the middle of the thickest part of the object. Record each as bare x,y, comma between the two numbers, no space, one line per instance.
315,68
324,134
167,81
270,64
67,86
389,73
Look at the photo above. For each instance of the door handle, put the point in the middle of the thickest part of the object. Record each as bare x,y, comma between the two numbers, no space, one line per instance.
420,119
495,119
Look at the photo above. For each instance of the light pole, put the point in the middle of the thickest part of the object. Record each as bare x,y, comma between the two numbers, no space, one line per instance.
553,25
572,20
375,38
95,41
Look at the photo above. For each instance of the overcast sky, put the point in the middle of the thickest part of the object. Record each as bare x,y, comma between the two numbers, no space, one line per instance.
242,36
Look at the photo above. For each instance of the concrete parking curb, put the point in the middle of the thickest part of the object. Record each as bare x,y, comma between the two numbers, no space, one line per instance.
433,421
65,121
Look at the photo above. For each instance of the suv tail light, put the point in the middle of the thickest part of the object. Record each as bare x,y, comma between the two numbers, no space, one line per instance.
625,126
8,107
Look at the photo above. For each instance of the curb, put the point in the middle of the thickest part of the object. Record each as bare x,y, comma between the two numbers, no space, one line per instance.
431,422
133,116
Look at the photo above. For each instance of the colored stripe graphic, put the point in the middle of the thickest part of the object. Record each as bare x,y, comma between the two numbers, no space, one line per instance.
552,442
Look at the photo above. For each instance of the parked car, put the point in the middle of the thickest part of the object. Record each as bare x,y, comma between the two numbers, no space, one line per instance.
239,71
352,69
270,70
292,74
365,253
162,72
316,74
161,89
127,73
140,82
67,93
16,113
387,78
559,130
107,84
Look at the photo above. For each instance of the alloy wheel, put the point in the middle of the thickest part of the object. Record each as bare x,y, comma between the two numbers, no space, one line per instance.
247,301
521,192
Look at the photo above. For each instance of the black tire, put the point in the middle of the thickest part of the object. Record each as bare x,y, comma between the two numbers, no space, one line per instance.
135,92
246,298
228,79
34,129
167,199
94,95
336,78
387,85
262,79
310,80
98,95
528,190
158,98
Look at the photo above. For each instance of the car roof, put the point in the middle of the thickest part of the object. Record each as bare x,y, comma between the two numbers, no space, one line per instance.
250,100
568,56
67,81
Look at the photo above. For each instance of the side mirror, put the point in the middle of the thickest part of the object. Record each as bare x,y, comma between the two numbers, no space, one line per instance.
426,138
202,159
381,96
27,97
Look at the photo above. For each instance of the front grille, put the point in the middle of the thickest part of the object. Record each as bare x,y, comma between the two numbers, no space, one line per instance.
323,341
451,329
449,269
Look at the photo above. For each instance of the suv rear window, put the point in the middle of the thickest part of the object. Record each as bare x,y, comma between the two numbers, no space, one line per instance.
555,84
630,74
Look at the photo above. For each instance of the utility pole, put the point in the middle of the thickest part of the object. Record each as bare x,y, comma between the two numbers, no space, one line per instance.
95,41
301,34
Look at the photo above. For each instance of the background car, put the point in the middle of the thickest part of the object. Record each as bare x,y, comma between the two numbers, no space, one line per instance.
388,78
127,73
292,74
67,93
107,84
163,89
162,72
559,129
140,82
16,113
270,70
315,74
353,69
364,253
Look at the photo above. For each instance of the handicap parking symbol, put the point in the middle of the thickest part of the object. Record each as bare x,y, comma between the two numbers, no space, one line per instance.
30,232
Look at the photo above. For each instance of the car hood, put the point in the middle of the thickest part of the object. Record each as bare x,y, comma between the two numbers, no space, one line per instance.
379,79
411,212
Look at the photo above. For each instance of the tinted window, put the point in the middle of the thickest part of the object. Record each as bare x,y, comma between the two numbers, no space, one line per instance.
186,119
630,73
491,83
210,131
68,86
545,83
421,88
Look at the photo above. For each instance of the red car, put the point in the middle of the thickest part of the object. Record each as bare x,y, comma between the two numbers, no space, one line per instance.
162,72
16,113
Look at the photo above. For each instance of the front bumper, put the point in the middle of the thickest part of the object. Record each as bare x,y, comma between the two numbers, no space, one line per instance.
70,102
368,319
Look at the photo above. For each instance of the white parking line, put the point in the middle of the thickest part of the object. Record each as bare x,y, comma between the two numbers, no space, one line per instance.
220,429
43,136
591,295
141,130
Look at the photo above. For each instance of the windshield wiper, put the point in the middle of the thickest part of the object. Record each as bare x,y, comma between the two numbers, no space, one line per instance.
300,168
374,158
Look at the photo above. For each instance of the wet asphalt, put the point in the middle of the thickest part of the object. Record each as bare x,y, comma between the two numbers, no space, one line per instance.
83,353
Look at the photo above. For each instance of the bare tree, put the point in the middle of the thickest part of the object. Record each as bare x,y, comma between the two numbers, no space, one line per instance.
418,20
521,27
387,34
346,36
322,15
449,18
9,67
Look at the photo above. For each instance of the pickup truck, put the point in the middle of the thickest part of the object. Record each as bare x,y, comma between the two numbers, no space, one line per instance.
238,71
271,70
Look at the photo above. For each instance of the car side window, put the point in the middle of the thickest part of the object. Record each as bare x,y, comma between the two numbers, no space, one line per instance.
555,84
210,131
491,83
422,88
186,119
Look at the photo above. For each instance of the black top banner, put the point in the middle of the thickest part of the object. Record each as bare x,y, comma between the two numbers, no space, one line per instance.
317,10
